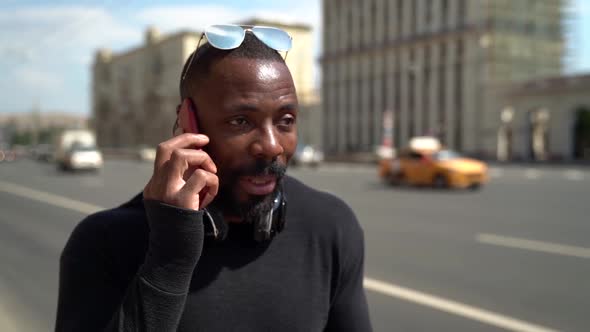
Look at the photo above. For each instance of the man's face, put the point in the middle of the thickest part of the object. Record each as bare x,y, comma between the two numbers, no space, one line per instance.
248,108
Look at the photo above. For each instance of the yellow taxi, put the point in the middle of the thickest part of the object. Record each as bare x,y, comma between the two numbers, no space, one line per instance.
436,167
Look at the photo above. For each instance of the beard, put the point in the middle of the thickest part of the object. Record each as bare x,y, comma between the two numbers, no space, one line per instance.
255,206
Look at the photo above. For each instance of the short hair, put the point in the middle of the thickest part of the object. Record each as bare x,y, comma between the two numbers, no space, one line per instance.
206,55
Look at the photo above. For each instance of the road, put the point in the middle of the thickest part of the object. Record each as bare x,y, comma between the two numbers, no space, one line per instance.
513,256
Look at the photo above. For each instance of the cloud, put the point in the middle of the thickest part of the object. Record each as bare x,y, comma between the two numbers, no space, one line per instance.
198,17
64,30
35,79
46,50
195,17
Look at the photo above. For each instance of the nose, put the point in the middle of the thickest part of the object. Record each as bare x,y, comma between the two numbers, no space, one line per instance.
267,145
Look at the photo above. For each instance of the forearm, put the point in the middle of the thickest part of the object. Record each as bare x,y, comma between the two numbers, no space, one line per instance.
155,299
91,295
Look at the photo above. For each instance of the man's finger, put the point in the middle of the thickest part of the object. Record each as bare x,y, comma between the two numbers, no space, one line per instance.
185,159
186,140
199,180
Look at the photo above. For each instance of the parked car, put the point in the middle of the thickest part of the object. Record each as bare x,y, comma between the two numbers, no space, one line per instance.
74,140
307,155
145,153
82,158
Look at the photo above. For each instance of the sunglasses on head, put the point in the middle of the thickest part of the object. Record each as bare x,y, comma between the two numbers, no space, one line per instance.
229,37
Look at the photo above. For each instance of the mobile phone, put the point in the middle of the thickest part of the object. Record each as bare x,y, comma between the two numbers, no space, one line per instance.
193,126
192,118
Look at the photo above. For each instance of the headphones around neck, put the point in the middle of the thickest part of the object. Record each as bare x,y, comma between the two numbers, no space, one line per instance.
264,228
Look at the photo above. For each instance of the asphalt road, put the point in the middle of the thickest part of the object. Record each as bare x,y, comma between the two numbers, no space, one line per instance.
515,255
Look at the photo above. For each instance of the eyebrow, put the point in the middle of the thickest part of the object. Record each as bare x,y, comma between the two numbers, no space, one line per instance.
253,108
290,107
243,108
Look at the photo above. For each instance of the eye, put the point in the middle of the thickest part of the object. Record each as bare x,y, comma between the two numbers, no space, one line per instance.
239,122
287,121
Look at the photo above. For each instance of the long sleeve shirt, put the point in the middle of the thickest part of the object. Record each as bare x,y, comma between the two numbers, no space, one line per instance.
147,266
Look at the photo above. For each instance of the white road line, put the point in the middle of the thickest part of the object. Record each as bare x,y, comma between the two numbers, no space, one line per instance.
453,307
407,294
574,175
11,318
7,323
49,198
532,174
547,247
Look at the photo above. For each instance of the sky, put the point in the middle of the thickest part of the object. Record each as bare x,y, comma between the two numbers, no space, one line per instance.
47,47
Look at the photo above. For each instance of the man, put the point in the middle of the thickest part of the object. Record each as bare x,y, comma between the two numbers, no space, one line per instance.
204,248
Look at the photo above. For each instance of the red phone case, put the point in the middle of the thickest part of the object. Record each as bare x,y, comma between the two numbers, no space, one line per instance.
194,128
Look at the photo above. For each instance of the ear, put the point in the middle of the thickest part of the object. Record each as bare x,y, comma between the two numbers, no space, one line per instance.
187,117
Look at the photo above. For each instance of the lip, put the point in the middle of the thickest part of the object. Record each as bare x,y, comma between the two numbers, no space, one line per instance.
258,185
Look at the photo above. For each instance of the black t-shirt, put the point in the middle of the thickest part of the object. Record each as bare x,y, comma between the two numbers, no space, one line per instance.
147,266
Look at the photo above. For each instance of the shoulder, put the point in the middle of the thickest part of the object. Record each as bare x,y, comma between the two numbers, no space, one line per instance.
323,210
108,228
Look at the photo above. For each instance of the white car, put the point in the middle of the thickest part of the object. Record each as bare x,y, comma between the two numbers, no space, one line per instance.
79,158
146,154
307,155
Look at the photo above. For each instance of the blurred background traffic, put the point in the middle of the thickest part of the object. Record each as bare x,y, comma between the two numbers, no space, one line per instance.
458,131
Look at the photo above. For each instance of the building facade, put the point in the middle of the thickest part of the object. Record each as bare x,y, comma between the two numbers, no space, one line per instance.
546,119
441,67
135,93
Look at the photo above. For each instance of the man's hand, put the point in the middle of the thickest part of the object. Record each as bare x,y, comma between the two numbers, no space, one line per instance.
184,175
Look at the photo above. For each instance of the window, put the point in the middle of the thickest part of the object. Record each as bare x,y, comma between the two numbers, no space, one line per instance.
372,23
400,17
157,65
372,93
411,96
461,19
415,155
442,119
459,97
414,18
396,105
349,107
385,12
351,35
426,91
428,15
444,12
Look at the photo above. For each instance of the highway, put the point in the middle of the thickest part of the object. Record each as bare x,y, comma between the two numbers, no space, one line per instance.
512,256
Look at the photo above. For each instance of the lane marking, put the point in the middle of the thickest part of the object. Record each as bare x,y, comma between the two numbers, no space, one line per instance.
7,323
407,294
547,247
453,307
48,198
574,175
532,174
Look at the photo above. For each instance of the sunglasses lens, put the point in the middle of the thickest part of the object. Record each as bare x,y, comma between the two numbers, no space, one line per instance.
225,37
274,38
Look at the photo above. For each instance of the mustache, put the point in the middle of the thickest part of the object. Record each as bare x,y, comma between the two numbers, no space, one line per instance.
262,167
